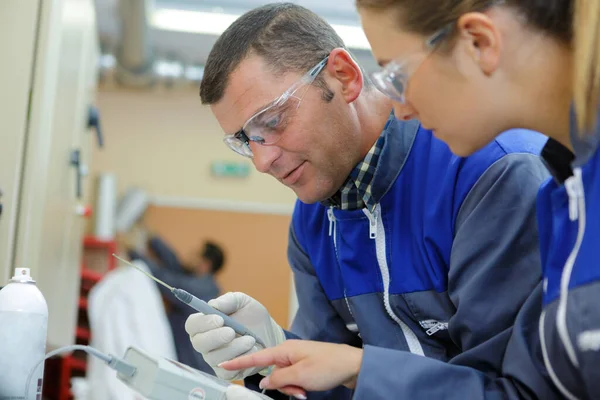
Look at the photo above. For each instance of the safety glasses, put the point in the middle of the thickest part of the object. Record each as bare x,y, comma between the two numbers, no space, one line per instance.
266,126
393,78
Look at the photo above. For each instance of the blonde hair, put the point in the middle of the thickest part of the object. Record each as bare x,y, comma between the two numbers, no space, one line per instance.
586,93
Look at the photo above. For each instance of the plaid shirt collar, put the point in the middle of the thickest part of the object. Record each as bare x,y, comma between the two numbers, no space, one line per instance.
355,193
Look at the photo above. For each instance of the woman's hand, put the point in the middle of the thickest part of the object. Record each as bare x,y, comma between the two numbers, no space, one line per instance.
302,365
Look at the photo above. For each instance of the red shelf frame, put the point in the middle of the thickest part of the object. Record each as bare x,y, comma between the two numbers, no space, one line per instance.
91,242
83,303
83,334
90,275
70,363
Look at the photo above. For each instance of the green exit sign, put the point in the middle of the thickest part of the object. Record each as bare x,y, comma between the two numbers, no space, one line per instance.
230,169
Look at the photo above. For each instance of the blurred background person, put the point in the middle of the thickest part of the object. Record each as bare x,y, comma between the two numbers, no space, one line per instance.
196,277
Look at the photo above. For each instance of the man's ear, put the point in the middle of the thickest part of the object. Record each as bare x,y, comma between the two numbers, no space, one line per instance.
482,36
346,71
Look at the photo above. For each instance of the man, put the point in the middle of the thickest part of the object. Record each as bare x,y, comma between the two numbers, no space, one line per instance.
209,260
394,242
197,278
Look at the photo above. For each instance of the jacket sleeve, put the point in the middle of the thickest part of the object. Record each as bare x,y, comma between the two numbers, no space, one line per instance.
417,377
494,271
495,262
165,254
583,327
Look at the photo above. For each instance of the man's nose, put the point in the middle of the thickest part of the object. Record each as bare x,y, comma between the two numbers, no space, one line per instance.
404,112
264,156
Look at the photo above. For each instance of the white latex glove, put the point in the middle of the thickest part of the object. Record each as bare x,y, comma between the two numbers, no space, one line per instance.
218,343
237,392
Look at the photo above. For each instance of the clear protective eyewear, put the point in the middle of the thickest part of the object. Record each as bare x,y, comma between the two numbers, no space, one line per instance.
265,127
393,78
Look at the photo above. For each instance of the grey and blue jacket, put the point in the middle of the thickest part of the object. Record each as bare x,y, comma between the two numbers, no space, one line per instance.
569,224
441,282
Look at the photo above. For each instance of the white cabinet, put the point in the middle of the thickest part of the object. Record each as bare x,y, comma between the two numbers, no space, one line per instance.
51,50
18,19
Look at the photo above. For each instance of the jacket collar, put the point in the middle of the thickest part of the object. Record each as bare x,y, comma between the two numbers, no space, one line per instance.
398,138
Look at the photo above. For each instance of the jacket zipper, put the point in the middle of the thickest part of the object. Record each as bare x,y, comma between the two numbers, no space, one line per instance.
440,326
576,193
377,232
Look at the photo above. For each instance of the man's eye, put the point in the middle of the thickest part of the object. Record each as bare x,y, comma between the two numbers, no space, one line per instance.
398,84
273,122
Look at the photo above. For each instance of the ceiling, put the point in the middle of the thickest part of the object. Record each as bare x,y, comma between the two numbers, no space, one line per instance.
338,10
193,48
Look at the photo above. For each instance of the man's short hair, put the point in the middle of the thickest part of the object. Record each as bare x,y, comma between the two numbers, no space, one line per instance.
215,255
287,36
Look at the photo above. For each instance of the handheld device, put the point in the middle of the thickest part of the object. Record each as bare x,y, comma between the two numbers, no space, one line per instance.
161,378
156,378
199,305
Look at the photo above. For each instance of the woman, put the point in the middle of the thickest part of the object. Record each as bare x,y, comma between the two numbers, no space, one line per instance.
495,65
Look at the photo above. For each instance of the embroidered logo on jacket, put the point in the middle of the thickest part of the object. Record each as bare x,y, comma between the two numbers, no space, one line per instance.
589,340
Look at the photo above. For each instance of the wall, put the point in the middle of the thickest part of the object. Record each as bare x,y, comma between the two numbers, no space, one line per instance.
165,143
255,246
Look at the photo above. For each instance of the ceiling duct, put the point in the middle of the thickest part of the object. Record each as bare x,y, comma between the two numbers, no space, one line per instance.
165,43
135,58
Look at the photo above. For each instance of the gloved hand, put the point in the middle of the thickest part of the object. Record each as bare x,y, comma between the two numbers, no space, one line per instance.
219,343
237,392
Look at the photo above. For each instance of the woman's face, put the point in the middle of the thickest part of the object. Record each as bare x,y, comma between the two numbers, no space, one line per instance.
451,91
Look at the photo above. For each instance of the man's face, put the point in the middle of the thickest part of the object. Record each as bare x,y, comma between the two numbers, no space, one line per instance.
316,149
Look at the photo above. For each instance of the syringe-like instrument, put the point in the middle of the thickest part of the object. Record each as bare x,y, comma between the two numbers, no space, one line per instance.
199,305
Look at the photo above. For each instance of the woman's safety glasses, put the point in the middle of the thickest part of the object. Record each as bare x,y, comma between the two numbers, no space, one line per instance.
393,78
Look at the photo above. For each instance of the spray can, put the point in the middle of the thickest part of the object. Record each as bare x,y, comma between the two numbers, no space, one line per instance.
23,328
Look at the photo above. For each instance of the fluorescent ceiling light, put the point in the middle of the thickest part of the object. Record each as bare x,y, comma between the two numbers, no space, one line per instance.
209,23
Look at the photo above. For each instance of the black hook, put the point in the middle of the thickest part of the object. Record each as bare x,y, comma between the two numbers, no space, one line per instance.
94,122
76,162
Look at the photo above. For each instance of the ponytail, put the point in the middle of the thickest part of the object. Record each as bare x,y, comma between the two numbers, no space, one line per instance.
586,28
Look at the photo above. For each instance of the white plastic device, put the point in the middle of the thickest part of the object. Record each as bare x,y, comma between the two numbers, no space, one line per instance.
23,325
160,378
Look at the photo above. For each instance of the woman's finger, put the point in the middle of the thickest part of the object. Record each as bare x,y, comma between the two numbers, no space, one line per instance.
263,358
293,375
294,391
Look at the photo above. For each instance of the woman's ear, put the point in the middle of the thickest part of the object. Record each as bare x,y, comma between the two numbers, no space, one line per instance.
482,37
342,67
